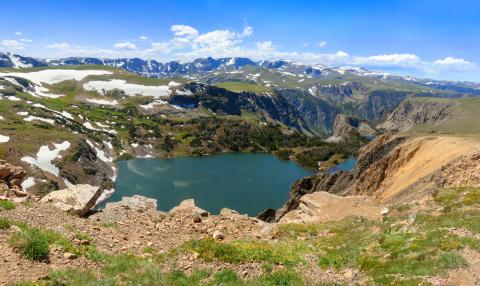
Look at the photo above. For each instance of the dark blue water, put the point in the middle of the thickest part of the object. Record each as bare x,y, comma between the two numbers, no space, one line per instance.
346,165
248,183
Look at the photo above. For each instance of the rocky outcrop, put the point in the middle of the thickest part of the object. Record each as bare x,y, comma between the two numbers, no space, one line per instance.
78,199
417,111
345,124
11,178
82,165
395,169
222,101
188,206
135,202
321,207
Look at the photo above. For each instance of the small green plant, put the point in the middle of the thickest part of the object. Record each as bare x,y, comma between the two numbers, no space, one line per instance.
7,205
247,251
31,243
5,223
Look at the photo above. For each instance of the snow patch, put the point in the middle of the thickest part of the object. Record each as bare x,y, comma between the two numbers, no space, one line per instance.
102,101
52,76
45,156
4,139
129,88
28,183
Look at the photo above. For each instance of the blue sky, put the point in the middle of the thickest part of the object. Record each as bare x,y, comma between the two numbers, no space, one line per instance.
438,39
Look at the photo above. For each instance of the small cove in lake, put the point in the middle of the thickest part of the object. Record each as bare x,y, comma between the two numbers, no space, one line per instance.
346,165
245,182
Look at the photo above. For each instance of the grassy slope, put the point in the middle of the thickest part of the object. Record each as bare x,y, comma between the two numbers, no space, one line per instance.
409,247
464,119
243,87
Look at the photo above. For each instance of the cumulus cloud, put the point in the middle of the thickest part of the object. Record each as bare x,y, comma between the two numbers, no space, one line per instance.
188,43
13,45
125,46
58,46
389,60
18,33
247,31
184,31
25,40
454,63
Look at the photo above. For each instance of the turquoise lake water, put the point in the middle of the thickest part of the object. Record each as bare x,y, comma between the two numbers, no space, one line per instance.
247,183
346,165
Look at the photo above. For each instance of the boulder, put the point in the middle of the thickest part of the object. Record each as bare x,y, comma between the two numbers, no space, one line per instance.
9,172
135,202
78,199
11,178
188,206
218,235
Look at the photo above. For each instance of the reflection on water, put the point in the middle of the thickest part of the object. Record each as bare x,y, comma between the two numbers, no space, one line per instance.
248,183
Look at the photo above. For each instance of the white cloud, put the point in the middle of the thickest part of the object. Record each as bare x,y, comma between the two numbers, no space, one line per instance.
59,46
13,44
454,63
403,60
188,43
184,31
125,46
18,33
25,40
247,31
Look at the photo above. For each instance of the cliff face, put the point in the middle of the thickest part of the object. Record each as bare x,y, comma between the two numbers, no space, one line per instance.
345,124
397,169
417,111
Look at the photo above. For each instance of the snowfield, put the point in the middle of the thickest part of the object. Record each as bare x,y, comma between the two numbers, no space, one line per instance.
129,88
51,76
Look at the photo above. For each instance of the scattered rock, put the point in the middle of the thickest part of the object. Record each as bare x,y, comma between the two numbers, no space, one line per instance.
135,202
68,255
218,235
197,219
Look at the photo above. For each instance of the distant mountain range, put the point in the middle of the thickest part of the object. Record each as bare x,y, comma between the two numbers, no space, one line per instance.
209,68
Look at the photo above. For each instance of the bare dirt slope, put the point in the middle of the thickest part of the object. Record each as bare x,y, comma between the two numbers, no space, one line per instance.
419,165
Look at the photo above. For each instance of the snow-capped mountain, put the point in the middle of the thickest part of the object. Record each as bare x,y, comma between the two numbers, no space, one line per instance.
211,67
9,60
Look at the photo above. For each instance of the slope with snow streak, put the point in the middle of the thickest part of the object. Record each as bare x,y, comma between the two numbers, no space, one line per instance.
129,88
45,156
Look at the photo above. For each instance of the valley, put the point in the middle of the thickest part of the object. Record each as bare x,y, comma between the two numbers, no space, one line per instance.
127,144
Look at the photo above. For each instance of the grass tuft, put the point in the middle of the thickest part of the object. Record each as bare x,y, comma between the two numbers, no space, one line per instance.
5,223
31,243
7,205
